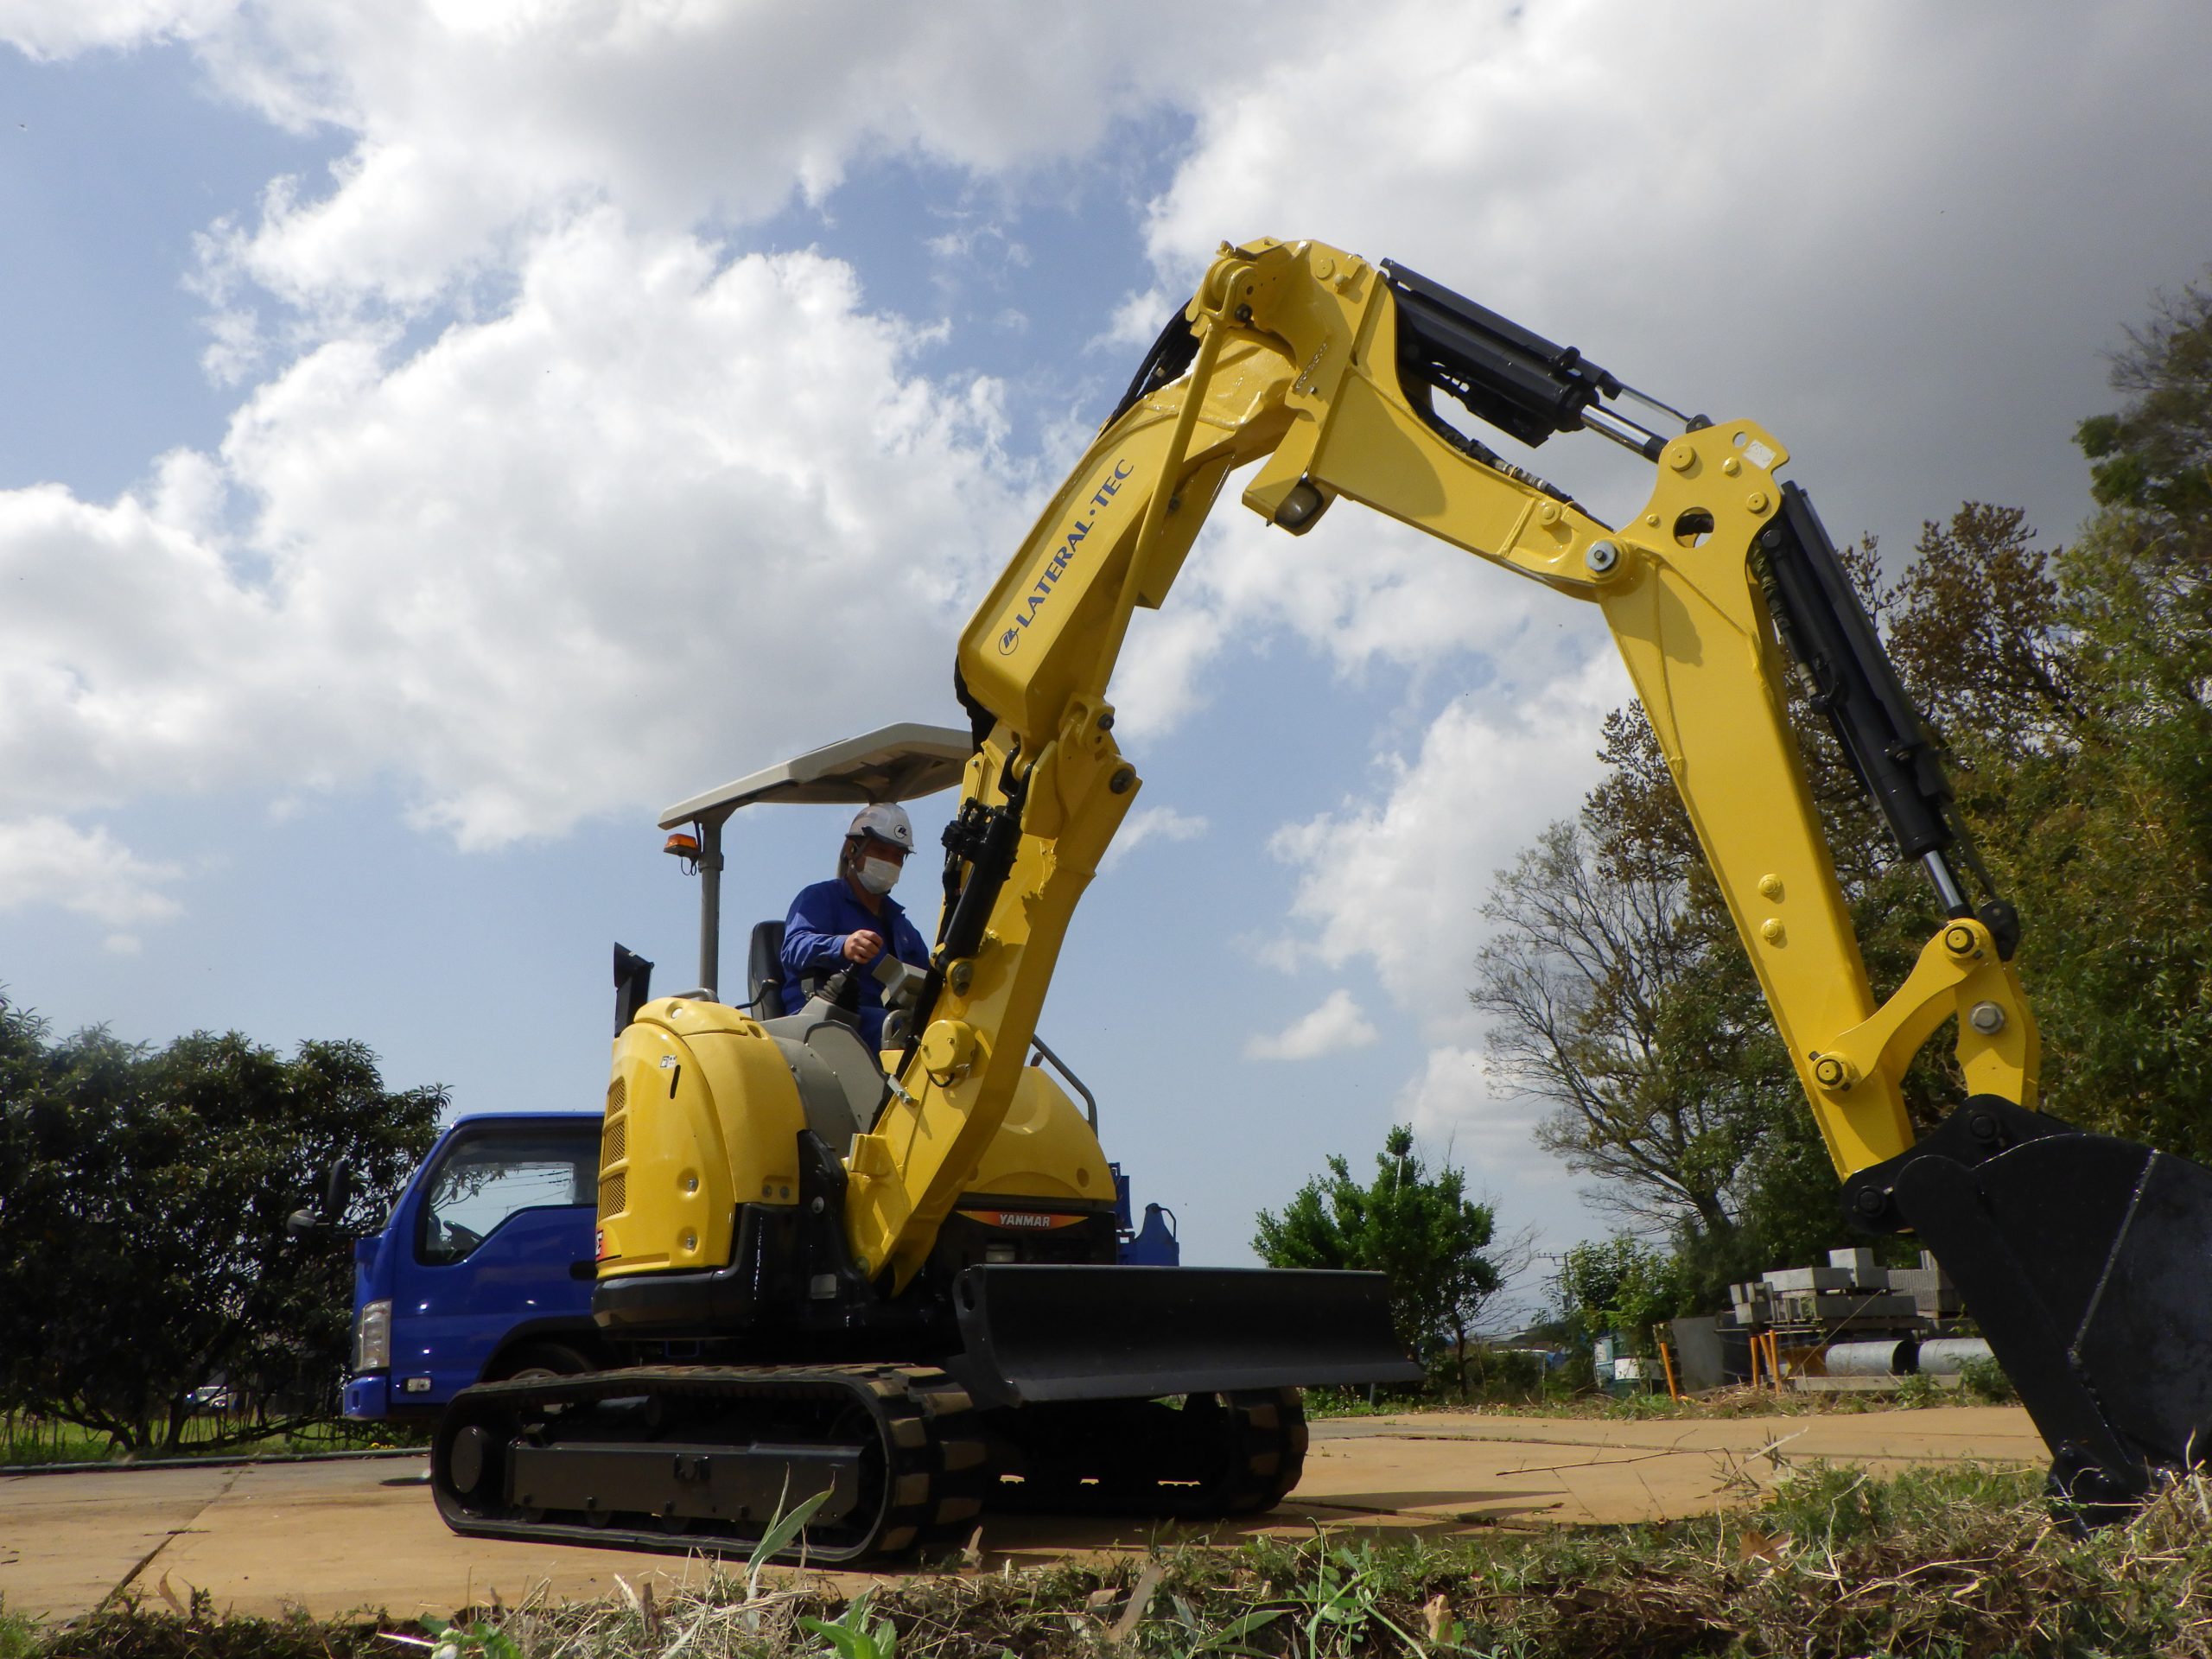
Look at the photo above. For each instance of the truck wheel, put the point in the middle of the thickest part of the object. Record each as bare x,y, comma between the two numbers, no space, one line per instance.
536,1361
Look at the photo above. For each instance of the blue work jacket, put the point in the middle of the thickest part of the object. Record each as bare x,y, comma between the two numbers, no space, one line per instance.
814,943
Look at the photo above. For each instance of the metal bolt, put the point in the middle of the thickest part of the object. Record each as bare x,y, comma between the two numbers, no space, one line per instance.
1770,887
1681,457
1756,500
1106,720
1122,781
1601,557
1548,513
960,976
1831,1073
1732,465
1873,1202
1958,940
1652,519
1770,930
1986,1018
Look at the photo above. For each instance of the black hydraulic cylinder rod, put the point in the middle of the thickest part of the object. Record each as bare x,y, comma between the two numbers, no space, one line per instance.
989,850
1829,633
1507,375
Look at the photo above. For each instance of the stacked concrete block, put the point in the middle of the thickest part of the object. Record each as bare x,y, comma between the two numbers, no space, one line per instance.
1857,1290
1859,1263
1834,1307
1930,1288
1751,1304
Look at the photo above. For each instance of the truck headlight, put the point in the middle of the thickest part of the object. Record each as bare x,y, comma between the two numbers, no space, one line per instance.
373,1338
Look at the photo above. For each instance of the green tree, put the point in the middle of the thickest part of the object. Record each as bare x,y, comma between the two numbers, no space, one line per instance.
2115,859
142,1200
1419,1229
1618,1284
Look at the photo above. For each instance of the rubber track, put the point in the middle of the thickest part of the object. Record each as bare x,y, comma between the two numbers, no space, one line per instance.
1267,1435
934,1455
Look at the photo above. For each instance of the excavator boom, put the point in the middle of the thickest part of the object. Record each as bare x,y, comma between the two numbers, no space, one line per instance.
1327,372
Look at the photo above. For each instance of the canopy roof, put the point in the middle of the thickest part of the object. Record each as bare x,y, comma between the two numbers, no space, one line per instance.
894,762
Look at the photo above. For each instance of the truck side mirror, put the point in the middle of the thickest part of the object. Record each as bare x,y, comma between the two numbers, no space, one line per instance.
336,1194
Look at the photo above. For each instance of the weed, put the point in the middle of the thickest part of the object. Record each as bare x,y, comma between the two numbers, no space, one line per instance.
1832,1564
1984,1380
18,1634
855,1635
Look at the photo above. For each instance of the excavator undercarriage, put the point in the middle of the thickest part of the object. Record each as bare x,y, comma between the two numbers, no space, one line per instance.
689,1458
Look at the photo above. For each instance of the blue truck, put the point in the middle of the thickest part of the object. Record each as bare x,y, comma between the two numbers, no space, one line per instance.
484,1269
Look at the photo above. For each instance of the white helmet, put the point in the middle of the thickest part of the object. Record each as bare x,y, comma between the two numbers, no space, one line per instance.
886,821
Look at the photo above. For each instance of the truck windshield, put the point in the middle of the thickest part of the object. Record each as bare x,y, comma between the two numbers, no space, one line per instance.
491,1174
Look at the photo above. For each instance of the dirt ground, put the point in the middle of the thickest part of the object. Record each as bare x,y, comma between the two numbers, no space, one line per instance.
334,1537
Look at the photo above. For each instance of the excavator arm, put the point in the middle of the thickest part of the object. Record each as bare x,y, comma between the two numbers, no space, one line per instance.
1322,368
2080,1256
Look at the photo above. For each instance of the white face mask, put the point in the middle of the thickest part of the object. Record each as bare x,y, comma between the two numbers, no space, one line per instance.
878,875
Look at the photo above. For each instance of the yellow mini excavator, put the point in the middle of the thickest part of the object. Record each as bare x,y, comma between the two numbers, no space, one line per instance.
788,1237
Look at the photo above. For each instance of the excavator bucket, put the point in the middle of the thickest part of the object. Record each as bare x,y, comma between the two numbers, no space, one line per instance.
1037,1334
2087,1263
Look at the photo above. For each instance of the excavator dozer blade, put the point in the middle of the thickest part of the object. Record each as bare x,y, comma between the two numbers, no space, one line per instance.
1033,1334
2087,1263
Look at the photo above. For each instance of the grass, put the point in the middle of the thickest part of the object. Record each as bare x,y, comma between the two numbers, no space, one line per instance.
1914,1392
28,1440
1961,1563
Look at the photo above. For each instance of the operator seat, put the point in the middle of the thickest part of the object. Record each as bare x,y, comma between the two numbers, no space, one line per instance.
763,970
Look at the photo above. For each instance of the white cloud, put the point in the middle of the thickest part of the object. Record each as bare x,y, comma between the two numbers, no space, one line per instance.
1138,320
1337,1024
1450,1106
477,126
1152,823
61,28
1736,233
1401,882
47,860
532,569
548,566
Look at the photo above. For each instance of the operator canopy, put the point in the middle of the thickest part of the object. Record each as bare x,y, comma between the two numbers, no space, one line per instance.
892,763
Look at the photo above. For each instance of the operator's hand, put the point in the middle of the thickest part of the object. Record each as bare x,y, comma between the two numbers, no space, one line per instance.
863,946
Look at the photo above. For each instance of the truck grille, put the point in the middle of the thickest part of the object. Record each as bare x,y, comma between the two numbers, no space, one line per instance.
614,1194
614,1143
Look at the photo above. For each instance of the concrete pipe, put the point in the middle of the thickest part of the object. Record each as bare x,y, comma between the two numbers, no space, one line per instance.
1889,1357
1948,1356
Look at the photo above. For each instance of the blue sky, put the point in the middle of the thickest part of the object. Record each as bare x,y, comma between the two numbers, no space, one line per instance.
439,437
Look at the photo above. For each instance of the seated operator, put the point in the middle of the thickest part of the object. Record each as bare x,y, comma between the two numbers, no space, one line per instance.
847,922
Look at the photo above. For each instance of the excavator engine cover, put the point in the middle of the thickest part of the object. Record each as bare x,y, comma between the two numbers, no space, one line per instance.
2085,1260
1036,1334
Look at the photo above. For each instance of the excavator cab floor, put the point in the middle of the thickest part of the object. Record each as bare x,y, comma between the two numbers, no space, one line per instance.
2087,1262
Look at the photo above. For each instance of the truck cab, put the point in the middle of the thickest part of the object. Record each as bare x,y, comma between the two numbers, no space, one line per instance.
484,1269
